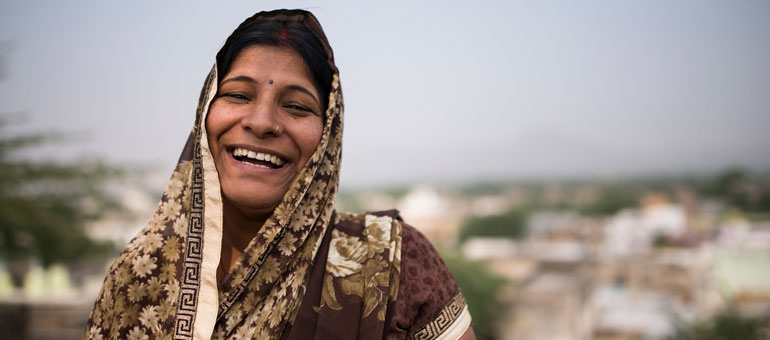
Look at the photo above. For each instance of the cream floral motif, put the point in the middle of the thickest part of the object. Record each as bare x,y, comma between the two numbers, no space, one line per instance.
137,334
168,272
346,254
136,291
143,265
175,187
135,244
154,287
358,267
180,225
317,190
164,308
287,245
156,225
282,213
327,168
178,180
298,221
171,249
377,233
233,318
172,290
122,276
151,242
95,333
149,316
169,210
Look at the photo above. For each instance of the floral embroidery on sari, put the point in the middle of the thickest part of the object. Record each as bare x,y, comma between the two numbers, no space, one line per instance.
365,266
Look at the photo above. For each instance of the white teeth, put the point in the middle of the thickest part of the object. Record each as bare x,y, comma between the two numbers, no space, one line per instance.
241,152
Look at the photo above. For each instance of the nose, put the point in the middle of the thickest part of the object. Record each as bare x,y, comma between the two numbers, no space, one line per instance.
262,119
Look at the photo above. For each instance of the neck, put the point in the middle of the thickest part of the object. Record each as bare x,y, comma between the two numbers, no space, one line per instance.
238,229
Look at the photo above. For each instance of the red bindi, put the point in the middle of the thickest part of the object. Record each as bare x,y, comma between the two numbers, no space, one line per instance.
283,35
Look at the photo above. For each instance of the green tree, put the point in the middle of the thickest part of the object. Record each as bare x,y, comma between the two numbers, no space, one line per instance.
511,224
45,204
611,200
481,289
726,325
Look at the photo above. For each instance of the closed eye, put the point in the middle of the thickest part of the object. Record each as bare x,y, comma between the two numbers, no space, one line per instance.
237,97
297,107
299,110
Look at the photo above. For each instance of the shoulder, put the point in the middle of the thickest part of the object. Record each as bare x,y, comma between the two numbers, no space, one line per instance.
423,272
425,300
428,294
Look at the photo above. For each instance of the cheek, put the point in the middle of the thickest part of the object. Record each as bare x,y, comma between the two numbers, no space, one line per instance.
218,121
215,125
213,120
310,136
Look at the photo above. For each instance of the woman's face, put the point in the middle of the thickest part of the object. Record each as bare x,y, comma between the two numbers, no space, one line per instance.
263,126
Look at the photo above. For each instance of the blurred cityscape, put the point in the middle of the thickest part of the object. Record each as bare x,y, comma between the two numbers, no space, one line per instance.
602,260
632,258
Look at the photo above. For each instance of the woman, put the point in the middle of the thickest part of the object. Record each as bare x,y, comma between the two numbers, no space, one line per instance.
246,243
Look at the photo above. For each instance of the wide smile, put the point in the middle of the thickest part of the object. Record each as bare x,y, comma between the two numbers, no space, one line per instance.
257,159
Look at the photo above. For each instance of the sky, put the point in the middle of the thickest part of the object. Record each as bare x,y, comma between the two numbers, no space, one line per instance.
434,90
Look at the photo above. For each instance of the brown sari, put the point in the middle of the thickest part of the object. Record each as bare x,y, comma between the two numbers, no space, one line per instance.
309,272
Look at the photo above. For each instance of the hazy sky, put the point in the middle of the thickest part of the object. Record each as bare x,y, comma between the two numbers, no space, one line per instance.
440,90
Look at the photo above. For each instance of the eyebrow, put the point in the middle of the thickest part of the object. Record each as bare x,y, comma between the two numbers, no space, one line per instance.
239,78
302,89
253,81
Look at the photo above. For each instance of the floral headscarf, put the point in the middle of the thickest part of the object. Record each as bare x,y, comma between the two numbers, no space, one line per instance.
164,286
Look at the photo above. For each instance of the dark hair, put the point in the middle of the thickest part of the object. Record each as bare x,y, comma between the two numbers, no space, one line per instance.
280,34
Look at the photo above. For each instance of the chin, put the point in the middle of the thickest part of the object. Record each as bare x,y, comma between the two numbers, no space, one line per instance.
253,204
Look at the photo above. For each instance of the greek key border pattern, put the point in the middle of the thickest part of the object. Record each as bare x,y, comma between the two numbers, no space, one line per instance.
189,289
443,321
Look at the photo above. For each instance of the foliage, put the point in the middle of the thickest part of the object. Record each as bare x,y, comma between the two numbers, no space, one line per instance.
482,188
728,324
612,200
481,290
44,204
510,224
743,190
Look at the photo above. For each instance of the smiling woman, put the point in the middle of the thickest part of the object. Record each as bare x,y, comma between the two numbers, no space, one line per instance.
246,243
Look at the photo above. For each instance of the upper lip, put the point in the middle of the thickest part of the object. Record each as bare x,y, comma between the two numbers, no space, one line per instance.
230,148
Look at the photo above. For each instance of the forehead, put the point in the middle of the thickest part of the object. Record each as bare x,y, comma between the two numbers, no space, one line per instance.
280,64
